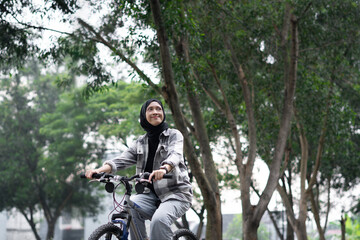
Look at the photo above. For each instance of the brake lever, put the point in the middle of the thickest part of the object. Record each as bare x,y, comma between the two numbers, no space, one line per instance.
94,180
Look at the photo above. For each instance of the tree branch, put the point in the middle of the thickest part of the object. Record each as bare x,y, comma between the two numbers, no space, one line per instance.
281,236
41,28
100,39
286,201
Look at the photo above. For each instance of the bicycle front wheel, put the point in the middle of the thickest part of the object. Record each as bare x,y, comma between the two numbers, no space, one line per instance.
107,232
184,234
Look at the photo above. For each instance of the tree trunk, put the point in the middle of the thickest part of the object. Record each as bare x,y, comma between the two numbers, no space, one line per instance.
292,221
250,229
300,227
343,229
53,214
31,222
271,215
301,232
208,162
51,230
34,230
289,230
316,214
211,198
201,222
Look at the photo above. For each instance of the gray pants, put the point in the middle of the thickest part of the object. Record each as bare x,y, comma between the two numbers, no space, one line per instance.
162,217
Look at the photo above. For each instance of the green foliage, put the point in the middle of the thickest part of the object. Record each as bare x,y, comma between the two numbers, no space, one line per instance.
352,228
40,167
14,44
323,66
328,73
17,37
120,108
234,230
48,137
20,142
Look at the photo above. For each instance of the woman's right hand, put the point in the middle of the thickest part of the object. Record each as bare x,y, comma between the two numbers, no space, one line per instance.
105,168
90,172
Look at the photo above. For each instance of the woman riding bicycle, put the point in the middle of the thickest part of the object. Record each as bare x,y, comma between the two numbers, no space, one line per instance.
159,151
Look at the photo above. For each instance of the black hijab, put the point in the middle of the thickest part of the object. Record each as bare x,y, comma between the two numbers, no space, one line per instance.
152,131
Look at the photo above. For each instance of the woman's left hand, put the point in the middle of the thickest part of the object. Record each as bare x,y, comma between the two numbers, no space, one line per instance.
157,175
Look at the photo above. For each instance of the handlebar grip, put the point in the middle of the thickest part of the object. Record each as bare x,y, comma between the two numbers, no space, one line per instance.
95,175
167,175
146,175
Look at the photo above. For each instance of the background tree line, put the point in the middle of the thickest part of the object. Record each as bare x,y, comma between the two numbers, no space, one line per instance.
284,75
49,136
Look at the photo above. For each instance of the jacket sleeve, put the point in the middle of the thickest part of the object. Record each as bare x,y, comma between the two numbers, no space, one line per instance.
175,149
124,160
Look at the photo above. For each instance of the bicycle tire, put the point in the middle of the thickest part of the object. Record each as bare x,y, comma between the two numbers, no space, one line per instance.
106,232
184,234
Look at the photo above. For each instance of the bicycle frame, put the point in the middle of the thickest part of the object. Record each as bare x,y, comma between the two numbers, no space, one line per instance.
125,217
126,206
129,204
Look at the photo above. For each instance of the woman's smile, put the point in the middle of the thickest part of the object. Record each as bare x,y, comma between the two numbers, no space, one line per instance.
154,114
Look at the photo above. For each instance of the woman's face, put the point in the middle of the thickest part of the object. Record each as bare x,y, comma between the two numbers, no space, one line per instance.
154,114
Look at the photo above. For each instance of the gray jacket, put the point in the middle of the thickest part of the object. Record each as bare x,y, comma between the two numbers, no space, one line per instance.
169,151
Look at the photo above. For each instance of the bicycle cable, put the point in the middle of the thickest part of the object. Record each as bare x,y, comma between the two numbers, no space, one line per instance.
117,206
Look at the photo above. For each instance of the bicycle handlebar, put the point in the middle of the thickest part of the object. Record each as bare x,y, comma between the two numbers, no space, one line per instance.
106,178
95,175
144,175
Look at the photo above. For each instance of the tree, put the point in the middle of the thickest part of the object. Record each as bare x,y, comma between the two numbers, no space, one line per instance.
206,179
240,68
253,216
45,171
47,139
228,69
18,150
17,39
66,153
322,119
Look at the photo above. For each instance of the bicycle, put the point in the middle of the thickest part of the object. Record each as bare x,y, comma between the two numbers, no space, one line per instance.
121,222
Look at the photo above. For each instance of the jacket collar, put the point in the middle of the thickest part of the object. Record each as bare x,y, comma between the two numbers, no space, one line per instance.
165,133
